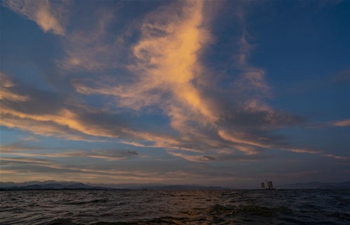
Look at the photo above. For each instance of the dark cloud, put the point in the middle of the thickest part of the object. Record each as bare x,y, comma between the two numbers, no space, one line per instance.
260,119
39,101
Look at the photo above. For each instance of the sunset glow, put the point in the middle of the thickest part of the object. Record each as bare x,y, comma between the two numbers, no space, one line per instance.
223,93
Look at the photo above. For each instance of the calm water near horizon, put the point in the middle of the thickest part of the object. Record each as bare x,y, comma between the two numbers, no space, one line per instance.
175,207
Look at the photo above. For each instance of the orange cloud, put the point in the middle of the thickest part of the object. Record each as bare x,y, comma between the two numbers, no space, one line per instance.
241,139
108,155
166,65
165,73
35,167
66,123
44,128
191,158
336,156
170,61
49,16
5,93
343,123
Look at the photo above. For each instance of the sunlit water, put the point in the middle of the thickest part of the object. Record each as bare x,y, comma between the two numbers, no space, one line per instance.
176,207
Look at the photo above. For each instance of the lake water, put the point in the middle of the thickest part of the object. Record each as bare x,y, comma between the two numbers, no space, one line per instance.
175,207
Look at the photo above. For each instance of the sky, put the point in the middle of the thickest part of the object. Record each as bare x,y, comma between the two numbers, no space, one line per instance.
219,93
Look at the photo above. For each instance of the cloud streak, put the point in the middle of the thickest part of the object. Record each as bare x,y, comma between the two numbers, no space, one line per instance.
172,82
49,16
343,123
105,154
167,73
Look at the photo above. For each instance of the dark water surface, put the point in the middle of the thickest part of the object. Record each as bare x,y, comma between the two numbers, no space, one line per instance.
176,207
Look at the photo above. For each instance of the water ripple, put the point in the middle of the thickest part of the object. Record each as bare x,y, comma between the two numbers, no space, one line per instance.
175,207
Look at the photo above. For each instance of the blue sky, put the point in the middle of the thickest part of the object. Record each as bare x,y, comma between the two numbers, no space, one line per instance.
223,93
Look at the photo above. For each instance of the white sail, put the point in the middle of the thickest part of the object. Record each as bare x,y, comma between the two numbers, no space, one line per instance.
270,186
262,185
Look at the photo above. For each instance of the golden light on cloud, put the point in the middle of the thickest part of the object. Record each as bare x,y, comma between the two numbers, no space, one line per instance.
167,65
163,84
170,61
343,123
5,93
42,12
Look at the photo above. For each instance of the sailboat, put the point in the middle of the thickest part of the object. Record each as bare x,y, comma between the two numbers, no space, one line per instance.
262,185
269,185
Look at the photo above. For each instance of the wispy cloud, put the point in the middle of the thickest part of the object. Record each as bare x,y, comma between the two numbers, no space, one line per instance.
31,151
98,173
337,157
17,147
114,74
6,94
44,169
192,158
217,156
31,138
94,49
166,65
343,123
168,73
49,15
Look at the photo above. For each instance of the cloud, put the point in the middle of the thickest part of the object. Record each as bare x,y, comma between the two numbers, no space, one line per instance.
166,61
31,138
96,48
5,94
160,71
45,169
105,154
337,157
165,69
36,166
343,123
17,147
49,114
9,160
49,16
41,112
192,158
18,168
217,156
251,141
44,128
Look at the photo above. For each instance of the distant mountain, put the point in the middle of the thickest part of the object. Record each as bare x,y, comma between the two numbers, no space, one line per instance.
71,185
47,185
56,185
318,185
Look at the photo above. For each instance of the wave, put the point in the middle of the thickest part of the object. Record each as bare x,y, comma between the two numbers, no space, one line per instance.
175,207
87,202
